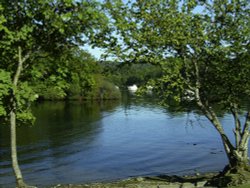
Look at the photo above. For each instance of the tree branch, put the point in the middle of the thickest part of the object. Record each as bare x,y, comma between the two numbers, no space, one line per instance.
237,131
245,132
209,113
20,65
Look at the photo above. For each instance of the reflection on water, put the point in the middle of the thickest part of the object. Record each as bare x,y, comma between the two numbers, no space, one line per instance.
77,142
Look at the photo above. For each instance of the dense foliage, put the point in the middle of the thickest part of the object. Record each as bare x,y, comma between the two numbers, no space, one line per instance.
38,37
63,76
177,37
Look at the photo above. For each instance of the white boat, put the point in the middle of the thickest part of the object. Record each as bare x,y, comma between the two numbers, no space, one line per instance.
133,88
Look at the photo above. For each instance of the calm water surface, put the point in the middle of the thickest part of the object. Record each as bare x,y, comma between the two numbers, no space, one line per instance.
79,142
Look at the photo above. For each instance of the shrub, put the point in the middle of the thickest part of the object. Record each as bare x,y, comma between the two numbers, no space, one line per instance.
103,90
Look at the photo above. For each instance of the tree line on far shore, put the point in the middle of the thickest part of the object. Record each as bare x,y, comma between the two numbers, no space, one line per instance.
77,75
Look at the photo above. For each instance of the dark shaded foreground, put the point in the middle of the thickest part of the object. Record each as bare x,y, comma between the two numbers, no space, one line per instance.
197,181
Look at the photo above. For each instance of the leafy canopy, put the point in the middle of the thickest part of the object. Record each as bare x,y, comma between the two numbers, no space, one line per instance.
200,45
31,30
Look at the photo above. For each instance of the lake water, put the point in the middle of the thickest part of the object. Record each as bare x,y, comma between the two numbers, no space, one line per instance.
80,142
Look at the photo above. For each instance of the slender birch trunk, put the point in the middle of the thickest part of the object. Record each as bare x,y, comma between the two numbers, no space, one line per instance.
18,174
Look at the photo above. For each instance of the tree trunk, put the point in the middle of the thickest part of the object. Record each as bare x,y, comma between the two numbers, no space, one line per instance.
18,174
238,161
237,155
238,158
237,171
19,178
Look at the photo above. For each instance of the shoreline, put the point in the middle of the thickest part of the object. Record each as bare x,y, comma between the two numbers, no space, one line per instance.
162,181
